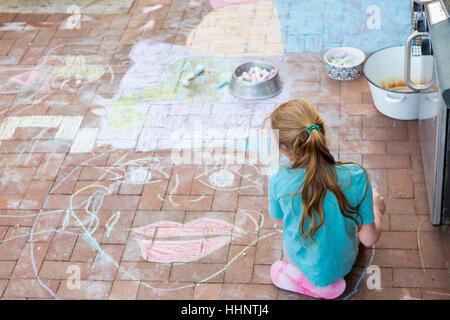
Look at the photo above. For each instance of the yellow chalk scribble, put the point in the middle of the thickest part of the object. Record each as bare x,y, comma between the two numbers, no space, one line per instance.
75,67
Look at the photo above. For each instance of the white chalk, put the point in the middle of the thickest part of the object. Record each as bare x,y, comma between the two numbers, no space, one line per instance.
199,70
246,76
257,73
348,59
152,8
186,83
339,55
190,76
265,76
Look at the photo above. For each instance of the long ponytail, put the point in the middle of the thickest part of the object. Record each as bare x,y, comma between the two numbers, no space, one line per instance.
302,131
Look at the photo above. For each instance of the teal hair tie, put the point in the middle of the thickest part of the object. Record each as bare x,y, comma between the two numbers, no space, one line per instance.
314,126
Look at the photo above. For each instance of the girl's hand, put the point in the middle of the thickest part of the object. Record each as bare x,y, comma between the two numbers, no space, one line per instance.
378,203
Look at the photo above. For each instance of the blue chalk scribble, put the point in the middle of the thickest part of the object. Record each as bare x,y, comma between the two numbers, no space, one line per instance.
320,25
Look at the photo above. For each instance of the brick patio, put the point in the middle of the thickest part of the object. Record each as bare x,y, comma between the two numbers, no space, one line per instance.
67,206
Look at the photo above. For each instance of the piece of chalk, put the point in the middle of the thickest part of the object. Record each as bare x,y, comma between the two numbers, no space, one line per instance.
265,76
348,59
254,79
272,72
222,84
340,55
199,70
257,73
190,76
186,83
184,69
246,76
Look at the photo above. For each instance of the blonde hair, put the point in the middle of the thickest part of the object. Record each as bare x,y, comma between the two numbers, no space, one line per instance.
302,131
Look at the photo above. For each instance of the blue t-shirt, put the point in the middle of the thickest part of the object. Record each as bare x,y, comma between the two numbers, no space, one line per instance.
334,253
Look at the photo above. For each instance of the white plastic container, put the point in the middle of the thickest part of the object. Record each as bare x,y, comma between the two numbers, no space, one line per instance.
387,66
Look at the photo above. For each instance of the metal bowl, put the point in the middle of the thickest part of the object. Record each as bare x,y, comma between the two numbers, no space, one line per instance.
255,90
345,73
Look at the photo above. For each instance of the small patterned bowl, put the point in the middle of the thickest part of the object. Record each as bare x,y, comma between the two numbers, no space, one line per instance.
345,73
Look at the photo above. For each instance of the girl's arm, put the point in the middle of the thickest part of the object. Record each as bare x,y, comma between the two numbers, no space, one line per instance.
278,223
370,233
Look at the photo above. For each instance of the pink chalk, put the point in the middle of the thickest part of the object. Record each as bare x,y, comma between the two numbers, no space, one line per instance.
169,246
180,251
202,226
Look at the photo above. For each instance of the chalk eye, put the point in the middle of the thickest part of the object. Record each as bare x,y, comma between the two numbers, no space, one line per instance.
138,175
222,179
231,178
143,175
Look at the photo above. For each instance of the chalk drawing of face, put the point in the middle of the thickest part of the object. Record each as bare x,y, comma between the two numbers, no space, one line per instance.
167,241
164,241
204,235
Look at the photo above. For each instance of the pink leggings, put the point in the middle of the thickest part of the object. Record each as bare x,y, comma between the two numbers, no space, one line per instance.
285,275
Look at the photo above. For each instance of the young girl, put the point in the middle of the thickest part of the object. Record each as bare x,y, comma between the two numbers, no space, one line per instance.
324,205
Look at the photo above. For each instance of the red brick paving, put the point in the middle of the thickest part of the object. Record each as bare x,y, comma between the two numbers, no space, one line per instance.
413,262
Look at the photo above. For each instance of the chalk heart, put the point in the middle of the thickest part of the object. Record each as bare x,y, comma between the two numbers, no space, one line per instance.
262,37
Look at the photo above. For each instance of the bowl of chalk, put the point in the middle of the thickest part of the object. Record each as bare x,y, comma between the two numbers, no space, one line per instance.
255,80
344,63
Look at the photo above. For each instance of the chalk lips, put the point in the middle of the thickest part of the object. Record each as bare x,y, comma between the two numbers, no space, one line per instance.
165,250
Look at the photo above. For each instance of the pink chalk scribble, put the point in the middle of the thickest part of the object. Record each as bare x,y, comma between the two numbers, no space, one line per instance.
180,251
185,250
223,3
